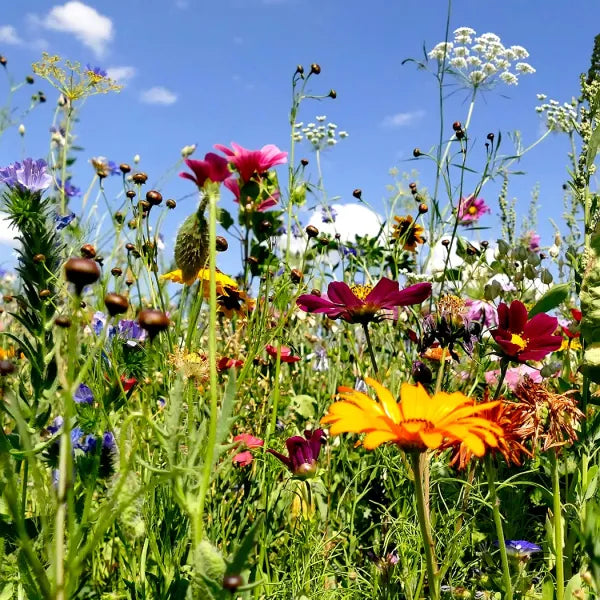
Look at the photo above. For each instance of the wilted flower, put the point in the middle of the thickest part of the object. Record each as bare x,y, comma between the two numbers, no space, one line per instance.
303,453
522,339
30,175
417,422
471,209
212,168
363,303
409,234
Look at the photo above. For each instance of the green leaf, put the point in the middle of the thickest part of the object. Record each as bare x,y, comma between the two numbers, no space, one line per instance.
555,296
303,405
593,147
242,553
225,218
548,589
591,483
574,585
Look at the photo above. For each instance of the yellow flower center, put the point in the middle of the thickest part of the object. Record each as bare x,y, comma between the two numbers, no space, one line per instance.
472,210
518,341
361,291
451,305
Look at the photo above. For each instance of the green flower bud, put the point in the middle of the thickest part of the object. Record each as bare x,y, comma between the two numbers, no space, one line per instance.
191,246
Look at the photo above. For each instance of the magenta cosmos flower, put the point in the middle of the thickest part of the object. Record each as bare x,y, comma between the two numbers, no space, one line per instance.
212,168
471,209
363,303
250,162
521,339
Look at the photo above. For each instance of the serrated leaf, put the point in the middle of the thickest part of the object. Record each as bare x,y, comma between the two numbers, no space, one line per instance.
554,297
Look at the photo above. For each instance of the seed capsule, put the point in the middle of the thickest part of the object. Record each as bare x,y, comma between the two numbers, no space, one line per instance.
457,126
332,94
154,197
312,231
170,203
315,68
153,321
221,244
29,79
45,294
125,168
357,193
116,304
423,208
139,178
490,136
296,276
299,70
116,271
63,322
130,194
81,272
416,152
119,217
304,162
88,251
39,258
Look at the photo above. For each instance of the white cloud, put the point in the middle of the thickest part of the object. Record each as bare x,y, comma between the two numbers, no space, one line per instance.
7,233
121,74
158,95
403,119
9,35
90,27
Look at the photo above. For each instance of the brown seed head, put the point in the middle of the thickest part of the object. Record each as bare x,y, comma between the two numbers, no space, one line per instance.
116,304
130,194
88,251
153,321
417,152
315,68
63,322
332,94
296,275
39,258
170,203
139,178
232,582
116,271
81,272
315,292
3,61
445,243
490,136
45,294
299,70
154,197
312,231
457,125
125,168
29,79
119,217
221,244
304,162
357,193
423,208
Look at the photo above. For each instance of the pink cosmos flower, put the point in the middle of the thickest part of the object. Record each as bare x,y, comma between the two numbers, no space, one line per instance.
243,459
363,303
213,167
471,209
534,240
250,162
482,312
285,355
232,184
514,376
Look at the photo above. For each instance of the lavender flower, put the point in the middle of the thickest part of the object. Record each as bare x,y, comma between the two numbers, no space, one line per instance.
83,395
98,71
521,548
131,331
30,176
328,214
69,189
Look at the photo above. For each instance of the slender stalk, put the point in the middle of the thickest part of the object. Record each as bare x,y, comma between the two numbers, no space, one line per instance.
370,347
558,528
490,472
418,460
213,195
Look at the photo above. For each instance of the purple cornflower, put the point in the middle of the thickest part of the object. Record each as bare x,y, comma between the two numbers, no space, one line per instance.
30,176
521,548
533,239
69,188
63,221
303,453
83,395
328,214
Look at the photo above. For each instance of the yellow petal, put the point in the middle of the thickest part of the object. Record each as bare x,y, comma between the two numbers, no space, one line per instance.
390,406
373,439
414,401
432,439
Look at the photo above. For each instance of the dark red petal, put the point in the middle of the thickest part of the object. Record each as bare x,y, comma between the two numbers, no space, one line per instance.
576,313
189,176
503,316
413,294
509,348
284,459
339,293
383,290
517,316
541,324
312,303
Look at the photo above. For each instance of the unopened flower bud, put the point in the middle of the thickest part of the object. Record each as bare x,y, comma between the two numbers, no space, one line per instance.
7,367
416,152
88,251
130,194
45,294
484,244
304,162
357,193
490,136
63,322
188,150
316,292
125,168
29,79
423,208
39,258
116,271
299,70
446,242
21,129
3,61
315,68
170,203
457,125
221,244
332,94
421,373
136,159
232,582
154,197
296,276
139,178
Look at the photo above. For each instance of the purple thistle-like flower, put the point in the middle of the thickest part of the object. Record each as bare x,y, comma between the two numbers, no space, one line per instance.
83,395
31,175
303,453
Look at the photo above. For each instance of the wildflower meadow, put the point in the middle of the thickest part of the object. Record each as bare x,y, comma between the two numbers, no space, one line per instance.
218,380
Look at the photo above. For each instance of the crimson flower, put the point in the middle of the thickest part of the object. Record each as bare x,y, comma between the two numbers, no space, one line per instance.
521,339
303,453
572,330
225,363
250,162
213,167
363,303
285,354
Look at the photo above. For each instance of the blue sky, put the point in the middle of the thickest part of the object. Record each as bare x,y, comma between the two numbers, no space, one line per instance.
215,72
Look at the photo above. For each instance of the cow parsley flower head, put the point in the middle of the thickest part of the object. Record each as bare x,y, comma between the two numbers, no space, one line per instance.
481,60
559,117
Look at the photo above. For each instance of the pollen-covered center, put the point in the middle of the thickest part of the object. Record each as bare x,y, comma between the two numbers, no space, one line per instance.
361,291
472,210
518,341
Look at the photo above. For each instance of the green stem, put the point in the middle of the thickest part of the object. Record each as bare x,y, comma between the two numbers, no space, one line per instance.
213,195
490,472
418,460
503,369
370,347
558,528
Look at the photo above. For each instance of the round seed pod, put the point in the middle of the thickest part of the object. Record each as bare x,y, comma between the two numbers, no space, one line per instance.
39,258
130,194
119,217
221,244
312,231
125,168
170,203
304,162
45,294
116,304
296,275
154,197
315,68
457,125
63,322
357,193
153,321
81,272
88,251
116,271
139,178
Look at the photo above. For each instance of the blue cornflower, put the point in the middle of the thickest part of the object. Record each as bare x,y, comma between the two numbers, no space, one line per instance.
83,395
63,220
131,330
31,175
96,70
347,250
328,214
70,189
521,548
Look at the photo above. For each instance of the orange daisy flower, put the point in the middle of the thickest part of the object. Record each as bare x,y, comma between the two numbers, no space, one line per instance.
417,422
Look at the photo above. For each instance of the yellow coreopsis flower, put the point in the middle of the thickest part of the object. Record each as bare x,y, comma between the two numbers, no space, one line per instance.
417,422
204,276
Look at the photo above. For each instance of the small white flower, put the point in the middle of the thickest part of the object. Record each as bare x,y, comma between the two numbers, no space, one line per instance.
344,134
509,78
441,50
509,54
525,68
321,118
332,126
502,64
299,124
311,125
541,96
464,31
476,76
136,159
479,48
461,51
188,150
331,142
22,129
489,38
520,52
474,61
489,69
459,63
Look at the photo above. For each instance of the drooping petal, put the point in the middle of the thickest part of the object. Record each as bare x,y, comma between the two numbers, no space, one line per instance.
373,439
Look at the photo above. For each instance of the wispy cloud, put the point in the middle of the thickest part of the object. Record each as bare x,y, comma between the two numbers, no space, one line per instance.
84,22
7,233
403,119
9,35
158,95
121,74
